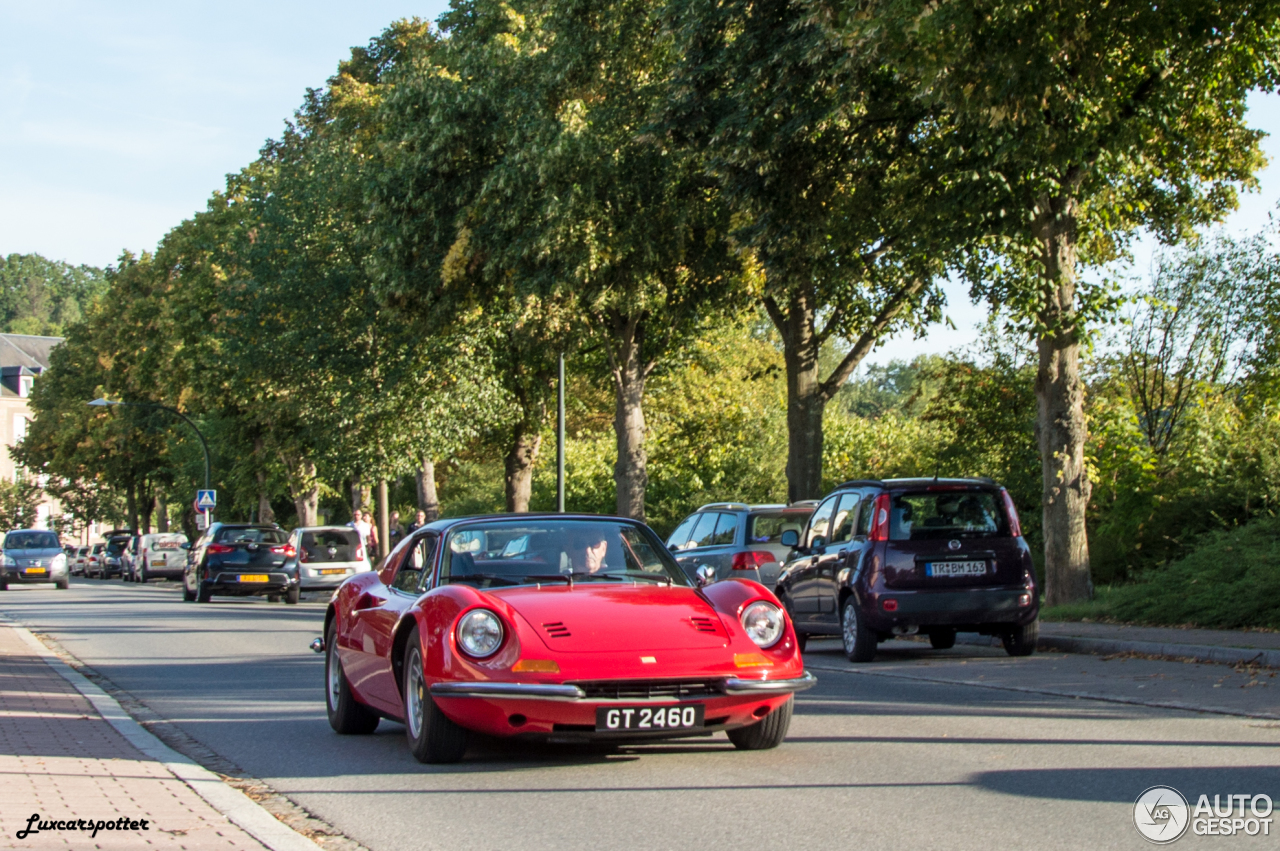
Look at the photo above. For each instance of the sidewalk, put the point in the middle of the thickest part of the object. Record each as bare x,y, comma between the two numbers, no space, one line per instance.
1227,647
61,759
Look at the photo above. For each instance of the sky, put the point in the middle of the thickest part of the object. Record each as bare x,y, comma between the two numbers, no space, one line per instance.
119,120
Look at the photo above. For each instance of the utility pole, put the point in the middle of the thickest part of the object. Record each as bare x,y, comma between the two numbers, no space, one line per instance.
560,438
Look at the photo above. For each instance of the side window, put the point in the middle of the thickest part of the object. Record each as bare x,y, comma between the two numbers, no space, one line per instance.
705,531
726,530
842,522
422,557
681,534
865,516
409,572
820,523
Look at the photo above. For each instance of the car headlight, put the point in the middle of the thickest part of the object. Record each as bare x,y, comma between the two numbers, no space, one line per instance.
59,562
8,561
480,633
763,622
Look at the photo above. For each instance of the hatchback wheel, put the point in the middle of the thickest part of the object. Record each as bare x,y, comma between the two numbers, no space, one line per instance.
942,639
203,594
1022,640
63,584
766,734
433,738
859,641
292,596
347,715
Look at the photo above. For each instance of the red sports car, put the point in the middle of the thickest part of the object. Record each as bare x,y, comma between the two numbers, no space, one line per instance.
568,628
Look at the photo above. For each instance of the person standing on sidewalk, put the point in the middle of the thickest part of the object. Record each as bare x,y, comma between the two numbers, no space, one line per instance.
418,522
395,532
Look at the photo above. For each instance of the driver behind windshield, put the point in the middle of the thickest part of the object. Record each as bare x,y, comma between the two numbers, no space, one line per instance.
587,549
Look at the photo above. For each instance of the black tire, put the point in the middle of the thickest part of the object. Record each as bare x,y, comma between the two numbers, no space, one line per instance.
859,641
142,575
187,593
273,598
292,596
347,715
4,586
63,584
433,737
203,594
1022,640
942,639
767,734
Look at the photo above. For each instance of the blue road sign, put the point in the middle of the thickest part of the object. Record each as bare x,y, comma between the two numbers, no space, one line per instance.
206,499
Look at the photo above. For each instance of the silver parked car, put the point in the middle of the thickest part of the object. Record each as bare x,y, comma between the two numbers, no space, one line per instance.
737,540
324,556
33,555
160,556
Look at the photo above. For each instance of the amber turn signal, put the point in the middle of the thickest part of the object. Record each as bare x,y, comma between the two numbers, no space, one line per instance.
536,666
751,660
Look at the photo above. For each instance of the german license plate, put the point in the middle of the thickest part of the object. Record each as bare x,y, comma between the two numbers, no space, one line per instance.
648,718
329,571
254,577
955,568
33,570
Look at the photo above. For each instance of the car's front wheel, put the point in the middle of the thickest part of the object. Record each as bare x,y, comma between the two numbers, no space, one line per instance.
204,593
292,596
347,715
433,737
1022,640
768,733
859,640
187,593
63,584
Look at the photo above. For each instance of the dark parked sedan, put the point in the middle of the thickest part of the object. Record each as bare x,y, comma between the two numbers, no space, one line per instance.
907,556
239,560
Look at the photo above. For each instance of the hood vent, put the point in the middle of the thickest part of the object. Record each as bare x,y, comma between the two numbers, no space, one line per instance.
711,626
557,629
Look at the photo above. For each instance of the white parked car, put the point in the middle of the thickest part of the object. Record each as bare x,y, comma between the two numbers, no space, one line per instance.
324,556
160,556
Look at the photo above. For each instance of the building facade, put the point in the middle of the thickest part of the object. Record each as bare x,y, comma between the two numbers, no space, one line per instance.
23,359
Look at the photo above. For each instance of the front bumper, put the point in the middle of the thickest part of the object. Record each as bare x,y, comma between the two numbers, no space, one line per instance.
568,691
17,575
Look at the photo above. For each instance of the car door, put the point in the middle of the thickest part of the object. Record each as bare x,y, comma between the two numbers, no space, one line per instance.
802,573
826,589
700,540
374,617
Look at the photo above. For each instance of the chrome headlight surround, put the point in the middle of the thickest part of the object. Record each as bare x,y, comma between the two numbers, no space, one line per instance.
479,633
764,623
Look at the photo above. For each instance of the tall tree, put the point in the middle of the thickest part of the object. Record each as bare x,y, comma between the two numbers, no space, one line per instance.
1077,123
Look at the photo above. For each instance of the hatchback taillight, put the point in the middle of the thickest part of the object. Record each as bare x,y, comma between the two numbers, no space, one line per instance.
880,519
1015,525
220,549
752,560
285,550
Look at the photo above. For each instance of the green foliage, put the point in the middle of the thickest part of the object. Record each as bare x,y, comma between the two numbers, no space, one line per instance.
43,297
19,502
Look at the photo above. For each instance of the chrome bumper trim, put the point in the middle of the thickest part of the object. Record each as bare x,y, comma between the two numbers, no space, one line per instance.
492,689
737,686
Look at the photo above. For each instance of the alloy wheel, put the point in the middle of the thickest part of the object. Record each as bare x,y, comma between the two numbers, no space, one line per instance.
849,628
413,696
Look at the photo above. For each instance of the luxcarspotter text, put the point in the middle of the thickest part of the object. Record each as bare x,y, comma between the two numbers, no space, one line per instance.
122,823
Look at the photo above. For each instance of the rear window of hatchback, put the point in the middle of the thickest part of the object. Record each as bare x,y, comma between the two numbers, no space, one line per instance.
250,536
768,528
330,545
930,515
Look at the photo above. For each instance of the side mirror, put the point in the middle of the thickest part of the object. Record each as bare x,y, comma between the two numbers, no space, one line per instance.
790,538
706,575
184,546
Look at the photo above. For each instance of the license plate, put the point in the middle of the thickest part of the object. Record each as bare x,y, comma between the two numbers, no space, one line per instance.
158,563
648,718
955,568
254,577
331,570
34,570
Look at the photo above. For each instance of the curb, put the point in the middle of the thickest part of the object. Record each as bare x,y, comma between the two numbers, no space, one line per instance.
1110,647
242,810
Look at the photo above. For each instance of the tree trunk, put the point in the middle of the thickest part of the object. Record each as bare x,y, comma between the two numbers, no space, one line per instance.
806,403
265,513
428,501
304,487
188,522
1061,425
147,504
384,519
131,505
523,454
630,472
162,513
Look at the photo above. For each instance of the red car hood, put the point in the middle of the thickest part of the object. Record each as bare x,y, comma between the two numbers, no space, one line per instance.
600,617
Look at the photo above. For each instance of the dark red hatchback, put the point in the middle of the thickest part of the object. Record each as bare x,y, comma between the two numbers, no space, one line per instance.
912,556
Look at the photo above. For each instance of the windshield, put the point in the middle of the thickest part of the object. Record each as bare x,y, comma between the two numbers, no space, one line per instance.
522,552
949,514
249,536
31,541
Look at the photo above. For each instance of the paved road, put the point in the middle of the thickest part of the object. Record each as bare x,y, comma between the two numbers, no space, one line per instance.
920,749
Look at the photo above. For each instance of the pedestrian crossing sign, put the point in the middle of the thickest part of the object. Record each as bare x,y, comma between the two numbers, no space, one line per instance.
206,499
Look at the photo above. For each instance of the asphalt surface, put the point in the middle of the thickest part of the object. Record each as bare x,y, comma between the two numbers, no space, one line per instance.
954,749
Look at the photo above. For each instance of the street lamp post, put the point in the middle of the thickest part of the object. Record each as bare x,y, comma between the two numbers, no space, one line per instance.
104,403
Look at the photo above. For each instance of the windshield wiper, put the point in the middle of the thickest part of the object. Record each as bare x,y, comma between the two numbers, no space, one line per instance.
510,580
